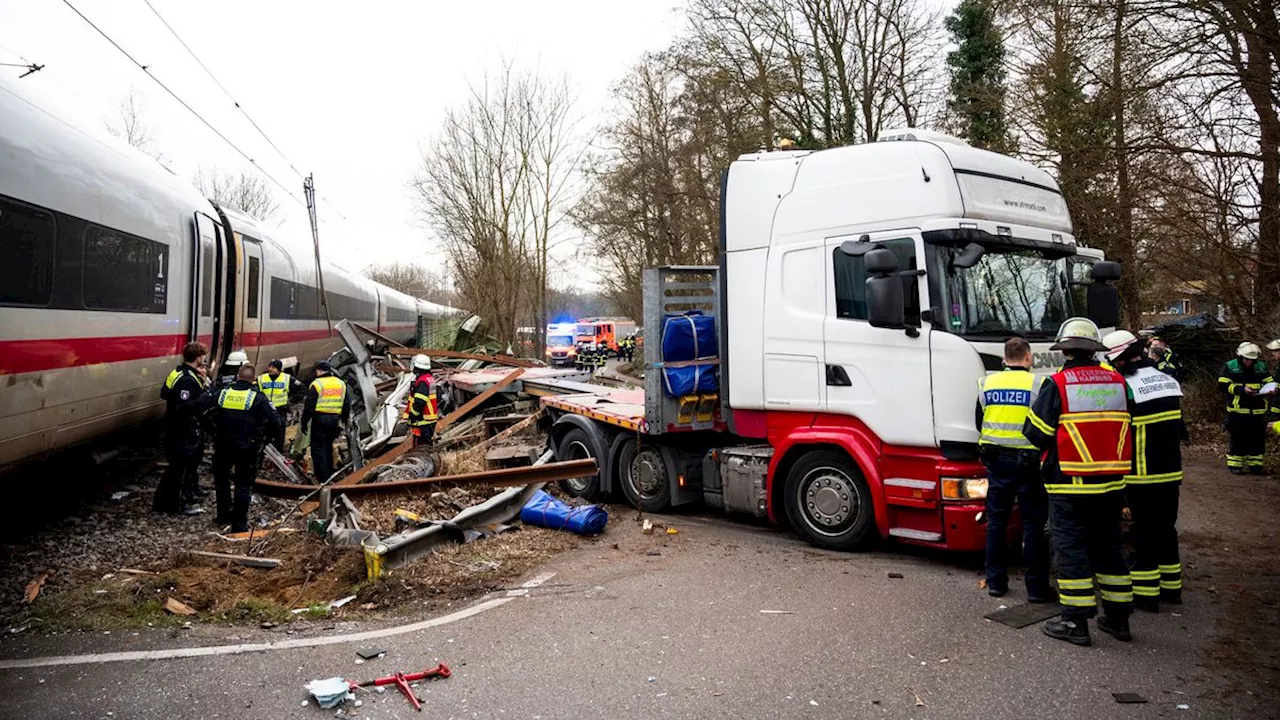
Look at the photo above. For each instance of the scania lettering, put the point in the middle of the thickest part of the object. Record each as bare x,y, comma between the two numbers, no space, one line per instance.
861,294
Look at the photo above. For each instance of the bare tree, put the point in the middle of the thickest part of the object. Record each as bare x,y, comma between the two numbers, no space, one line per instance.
494,185
247,193
414,280
127,124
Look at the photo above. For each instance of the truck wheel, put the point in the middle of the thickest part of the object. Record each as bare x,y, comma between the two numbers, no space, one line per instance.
828,501
575,445
642,472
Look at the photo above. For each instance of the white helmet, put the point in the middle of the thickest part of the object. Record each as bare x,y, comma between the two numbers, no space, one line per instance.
237,358
421,362
1118,342
1274,345
1248,350
1079,333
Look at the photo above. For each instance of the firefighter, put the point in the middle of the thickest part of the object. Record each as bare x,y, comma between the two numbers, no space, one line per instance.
1162,356
227,373
245,421
422,411
1013,472
1152,486
183,391
327,406
1080,419
1274,400
1241,380
278,387
579,356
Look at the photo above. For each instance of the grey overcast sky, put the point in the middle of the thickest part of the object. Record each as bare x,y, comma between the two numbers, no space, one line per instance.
349,91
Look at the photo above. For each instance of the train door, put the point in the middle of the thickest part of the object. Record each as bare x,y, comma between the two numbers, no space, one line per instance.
207,281
250,326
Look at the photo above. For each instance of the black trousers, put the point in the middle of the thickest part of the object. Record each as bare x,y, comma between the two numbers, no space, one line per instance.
324,430
1014,476
181,478
238,466
1086,544
278,439
1156,566
423,434
1246,440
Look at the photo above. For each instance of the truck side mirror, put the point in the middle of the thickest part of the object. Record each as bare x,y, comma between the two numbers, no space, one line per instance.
1102,297
885,307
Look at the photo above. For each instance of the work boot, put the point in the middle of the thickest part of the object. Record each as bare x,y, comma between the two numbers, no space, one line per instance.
1146,604
997,590
1076,633
1236,470
1256,470
239,527
190,510
1118,629
1173,597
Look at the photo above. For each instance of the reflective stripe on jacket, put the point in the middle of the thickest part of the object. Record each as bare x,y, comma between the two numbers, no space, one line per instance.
276,389
1233,380
1006,398
330,392
422,408
1093,429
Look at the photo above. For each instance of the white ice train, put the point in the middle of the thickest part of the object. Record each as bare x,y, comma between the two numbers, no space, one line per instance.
109,264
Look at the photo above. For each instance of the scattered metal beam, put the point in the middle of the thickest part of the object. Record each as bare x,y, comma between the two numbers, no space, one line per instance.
478,400
543,473
457,355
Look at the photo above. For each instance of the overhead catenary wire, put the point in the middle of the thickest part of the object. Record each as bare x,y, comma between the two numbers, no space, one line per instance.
237,104
146,69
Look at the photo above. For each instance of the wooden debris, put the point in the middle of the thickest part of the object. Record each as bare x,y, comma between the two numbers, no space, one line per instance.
135,571
257,562
178,607
34,587
514,429
478,400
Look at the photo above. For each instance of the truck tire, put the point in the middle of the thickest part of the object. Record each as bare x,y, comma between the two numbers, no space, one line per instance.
828,501
642,473
575,445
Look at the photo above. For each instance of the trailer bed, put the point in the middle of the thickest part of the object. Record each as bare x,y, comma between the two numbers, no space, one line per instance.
620,407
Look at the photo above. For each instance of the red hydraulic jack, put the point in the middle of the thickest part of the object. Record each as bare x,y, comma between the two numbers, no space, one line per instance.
402,680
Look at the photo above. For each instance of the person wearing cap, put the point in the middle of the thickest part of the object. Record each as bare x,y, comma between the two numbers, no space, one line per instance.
422,412
1080,420
1241,380
278,387
185,392
327,406
1152,486
244,420
1162,355
1013,472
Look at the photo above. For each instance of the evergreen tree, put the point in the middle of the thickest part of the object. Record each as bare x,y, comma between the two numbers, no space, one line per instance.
977,68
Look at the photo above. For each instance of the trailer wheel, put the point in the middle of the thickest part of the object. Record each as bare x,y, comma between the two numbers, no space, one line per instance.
828,501
642,473
575,445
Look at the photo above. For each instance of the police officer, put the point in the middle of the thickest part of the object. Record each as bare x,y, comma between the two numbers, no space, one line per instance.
327,406
1152,486
1080,418
278,386
245,421
183,392
1013,472
1241,381
422,411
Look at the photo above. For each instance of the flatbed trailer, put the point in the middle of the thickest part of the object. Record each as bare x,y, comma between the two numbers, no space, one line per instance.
862,294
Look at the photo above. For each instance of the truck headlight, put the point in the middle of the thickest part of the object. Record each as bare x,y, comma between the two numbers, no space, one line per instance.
964,488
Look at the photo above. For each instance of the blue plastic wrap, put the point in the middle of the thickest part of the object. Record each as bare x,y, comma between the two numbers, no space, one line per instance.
678,382
691,336
545,511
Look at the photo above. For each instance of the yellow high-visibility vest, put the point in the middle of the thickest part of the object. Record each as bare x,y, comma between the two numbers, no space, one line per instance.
1006,398
330,392
231,399
276,389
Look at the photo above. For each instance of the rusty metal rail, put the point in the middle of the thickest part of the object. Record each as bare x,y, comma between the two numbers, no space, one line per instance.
547,472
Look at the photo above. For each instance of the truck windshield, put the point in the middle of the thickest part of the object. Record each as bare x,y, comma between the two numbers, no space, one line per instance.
559,340
1010,291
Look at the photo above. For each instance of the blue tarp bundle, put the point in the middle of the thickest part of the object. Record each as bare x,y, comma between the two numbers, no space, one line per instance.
691,336
679,382
546,511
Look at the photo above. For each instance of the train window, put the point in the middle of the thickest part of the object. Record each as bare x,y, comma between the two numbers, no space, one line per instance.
124,272
255,281
27,242
400,315
206,280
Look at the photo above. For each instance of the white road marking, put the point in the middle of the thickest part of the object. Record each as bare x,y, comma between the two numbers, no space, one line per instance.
176,653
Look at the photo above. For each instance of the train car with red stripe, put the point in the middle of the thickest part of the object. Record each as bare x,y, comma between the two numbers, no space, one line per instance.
109,264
